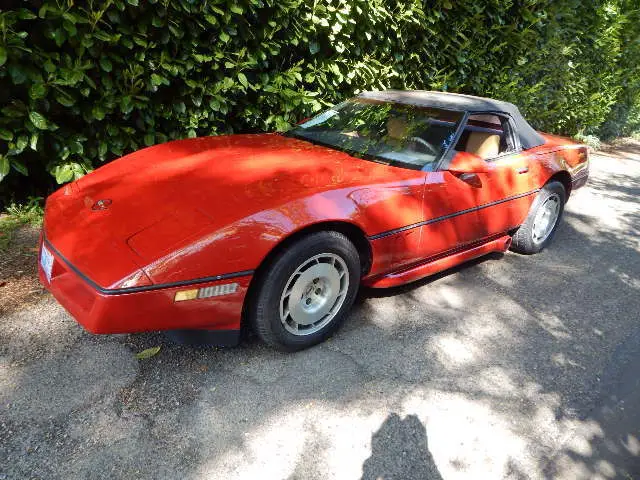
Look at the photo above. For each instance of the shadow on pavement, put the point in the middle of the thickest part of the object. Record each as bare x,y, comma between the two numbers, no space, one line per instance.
400,451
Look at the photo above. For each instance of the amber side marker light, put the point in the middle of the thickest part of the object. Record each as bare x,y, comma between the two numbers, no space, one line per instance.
206,292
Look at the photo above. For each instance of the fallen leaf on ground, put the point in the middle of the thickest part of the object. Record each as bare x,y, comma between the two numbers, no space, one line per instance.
148,353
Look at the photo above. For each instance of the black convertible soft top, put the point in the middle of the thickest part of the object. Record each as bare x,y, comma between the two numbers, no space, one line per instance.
529,138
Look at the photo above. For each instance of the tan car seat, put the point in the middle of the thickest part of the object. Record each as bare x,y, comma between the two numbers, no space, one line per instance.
485,145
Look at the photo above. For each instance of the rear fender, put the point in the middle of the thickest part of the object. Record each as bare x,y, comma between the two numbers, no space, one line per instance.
568,164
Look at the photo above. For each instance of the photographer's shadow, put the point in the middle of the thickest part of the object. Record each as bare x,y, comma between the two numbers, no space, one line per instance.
400,451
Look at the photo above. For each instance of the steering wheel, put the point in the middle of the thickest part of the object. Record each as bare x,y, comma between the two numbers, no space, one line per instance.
430,148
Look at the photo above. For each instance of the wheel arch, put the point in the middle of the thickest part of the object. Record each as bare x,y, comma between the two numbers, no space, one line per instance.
354,233
564,178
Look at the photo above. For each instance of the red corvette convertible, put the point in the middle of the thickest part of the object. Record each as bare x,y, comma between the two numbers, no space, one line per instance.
279,230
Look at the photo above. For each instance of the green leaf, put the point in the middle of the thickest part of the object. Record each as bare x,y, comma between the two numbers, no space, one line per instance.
24,14
214,104
105,63
100,35
3,55
236,9
102,149
149,139
38,120
70,28
243,80
133,2
6,134
125,104
98,112
71,17
148,353
64,99
158,80
59,36
76,147
20,167
224,36
314,48
49,66
33,142
37,91
63,173
21,143
4,167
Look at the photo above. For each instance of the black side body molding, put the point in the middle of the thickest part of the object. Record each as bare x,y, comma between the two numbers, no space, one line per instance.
451,215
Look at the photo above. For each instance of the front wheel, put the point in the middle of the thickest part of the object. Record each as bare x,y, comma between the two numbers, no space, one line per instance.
542,221
306,291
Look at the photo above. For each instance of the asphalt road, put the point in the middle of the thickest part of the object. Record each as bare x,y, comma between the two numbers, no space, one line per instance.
510,367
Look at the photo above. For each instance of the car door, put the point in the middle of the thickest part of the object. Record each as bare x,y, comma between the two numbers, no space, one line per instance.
506,194
451,221
501,196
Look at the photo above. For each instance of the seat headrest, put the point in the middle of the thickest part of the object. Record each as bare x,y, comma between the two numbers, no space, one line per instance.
485,145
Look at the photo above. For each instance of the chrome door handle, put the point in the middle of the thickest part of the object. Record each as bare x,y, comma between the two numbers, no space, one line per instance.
523,170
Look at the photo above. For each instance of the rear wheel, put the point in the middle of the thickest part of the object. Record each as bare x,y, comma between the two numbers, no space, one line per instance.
541,223
305,293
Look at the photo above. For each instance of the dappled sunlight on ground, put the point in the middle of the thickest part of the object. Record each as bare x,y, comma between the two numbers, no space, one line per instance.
510,367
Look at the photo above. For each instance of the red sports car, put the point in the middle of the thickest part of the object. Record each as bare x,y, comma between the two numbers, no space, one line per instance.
278,231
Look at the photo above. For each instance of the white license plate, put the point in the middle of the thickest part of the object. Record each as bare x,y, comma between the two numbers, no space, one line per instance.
46,261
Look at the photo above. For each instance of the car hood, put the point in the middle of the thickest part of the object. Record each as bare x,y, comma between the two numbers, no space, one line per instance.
158,198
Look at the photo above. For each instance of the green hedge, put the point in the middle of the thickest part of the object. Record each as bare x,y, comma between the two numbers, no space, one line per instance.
83,82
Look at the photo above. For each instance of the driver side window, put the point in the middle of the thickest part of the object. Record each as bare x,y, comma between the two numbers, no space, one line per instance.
487,135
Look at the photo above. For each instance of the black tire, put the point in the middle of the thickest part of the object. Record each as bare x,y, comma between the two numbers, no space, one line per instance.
524,240
263,312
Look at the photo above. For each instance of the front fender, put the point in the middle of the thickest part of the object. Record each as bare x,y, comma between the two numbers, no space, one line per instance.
243,245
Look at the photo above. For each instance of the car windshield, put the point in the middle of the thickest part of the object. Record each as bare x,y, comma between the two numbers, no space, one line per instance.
408,136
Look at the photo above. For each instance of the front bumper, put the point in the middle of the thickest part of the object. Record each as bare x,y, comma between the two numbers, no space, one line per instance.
150,309
580,176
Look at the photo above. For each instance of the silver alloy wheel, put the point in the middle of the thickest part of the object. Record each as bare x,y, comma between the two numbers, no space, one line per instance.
546,218
314,294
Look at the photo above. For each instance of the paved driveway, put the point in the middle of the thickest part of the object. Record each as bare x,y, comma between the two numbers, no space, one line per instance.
510,367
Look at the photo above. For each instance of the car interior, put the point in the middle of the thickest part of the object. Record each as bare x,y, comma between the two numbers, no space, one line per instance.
487,136
418,143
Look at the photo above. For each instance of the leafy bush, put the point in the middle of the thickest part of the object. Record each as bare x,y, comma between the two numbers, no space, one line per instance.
593,142
17,215
83,82
624,118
